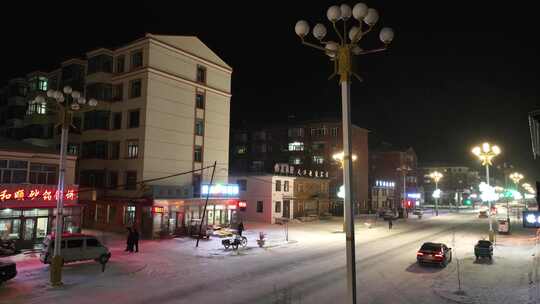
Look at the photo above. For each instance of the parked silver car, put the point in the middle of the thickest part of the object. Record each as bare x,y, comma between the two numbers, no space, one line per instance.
75,247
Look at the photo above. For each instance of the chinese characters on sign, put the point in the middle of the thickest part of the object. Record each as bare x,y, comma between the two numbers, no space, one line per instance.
33,194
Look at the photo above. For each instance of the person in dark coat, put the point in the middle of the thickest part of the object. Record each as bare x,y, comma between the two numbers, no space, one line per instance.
240,228
390,224
129,241
136,239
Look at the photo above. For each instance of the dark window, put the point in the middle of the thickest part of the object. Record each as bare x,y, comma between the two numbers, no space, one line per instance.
95,149
197,179
113,179
259,206
118,92
99,91
132,149
134,119
74,243
278,185
112,214
286,186
135,88
96,120
198,154
242,184
92,243
199,100
77,123
117,121
120,63
136,59
43,174
115,150
278,207
201,74
431,247
131,180
100,63
199,127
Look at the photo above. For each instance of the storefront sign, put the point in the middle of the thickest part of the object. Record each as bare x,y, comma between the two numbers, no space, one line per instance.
220,190
287,169
158,209
30,195
384,184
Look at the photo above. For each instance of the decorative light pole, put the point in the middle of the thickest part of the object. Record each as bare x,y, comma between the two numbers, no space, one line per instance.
338,157
515,177
486,153
436,176
341,53
65,104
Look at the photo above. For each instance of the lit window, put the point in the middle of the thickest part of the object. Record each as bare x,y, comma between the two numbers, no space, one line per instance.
317,159
295,161
241,150
133,149
296,146
43,83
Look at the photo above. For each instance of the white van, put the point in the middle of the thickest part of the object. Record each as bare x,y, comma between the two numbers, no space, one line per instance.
75,247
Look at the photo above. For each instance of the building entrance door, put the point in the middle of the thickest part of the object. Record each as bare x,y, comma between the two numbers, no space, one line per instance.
287,208
29,229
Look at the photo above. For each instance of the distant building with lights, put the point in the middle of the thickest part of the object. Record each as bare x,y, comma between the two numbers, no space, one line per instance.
164,105
457,183
307,145
386,182
271,198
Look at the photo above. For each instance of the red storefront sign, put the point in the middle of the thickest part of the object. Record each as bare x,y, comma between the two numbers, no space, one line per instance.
34,196
158,209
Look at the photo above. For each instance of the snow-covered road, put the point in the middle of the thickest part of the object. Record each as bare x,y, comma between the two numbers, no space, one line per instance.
310,268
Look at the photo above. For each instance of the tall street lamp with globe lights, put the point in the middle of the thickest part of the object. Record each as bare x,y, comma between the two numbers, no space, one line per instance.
64,103
436,176
486,153
341,53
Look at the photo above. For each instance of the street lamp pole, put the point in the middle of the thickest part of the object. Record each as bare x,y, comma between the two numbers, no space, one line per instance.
66,103
515,177
436,177
339,157
341,53
486,154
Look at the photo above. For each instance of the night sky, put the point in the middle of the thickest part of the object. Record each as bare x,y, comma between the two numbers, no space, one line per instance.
458,72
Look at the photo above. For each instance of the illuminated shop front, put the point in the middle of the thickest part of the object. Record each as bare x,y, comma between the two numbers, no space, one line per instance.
222,205
27,212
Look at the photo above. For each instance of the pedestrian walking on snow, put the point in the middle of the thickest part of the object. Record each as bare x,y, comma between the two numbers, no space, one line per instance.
129,240
240,228
390,224
136,239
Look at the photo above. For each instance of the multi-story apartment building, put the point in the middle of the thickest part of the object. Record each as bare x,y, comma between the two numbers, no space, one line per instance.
271,197
163,109
456,180
28,180
392,171
306,145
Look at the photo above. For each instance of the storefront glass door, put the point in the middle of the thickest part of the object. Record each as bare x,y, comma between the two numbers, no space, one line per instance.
29,228
41,228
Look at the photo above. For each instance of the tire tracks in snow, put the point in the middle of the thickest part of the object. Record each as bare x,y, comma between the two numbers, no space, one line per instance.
313,282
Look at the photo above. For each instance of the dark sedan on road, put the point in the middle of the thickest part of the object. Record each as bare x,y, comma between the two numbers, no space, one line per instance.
434,253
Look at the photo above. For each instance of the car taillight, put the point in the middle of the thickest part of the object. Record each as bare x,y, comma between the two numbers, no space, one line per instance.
439,255
419,253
